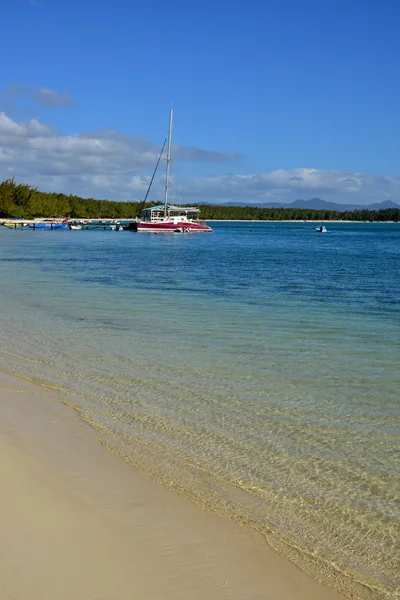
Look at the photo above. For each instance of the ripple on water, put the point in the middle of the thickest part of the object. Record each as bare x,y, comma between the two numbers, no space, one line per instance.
257,375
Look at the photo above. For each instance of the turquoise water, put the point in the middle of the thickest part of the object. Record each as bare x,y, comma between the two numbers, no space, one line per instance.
255,372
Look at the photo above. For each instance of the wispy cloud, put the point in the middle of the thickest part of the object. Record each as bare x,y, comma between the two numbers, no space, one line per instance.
48,97
22,100
199,155
112,165
13,91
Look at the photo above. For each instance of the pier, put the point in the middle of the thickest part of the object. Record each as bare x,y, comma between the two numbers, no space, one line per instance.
71,224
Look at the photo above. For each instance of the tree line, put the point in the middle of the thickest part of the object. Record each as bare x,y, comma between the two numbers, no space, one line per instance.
23,201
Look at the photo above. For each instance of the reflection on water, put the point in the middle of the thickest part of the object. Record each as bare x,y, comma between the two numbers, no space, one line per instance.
255,372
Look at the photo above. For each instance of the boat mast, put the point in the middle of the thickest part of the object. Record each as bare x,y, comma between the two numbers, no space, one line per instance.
168,162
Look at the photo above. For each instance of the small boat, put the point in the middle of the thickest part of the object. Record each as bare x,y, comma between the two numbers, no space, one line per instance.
95,225
90,226
13,224
47,225
168,218
74,227
105,225
114,227
321,229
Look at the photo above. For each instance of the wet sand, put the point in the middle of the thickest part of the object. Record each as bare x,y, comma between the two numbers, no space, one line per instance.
77,522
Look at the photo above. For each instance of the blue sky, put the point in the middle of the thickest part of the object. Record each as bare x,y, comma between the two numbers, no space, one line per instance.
274,100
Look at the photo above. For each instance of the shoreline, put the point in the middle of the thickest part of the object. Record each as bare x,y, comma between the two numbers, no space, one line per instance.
119,219
326,222
82,523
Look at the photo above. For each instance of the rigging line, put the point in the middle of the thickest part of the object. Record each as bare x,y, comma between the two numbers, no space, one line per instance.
152,178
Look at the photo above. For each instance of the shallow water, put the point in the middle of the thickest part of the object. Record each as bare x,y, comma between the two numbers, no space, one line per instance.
256,372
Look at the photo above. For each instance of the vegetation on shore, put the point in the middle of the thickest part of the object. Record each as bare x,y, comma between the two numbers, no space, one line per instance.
24,202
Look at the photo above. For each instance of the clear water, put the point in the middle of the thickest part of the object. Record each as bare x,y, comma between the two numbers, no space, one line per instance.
256,372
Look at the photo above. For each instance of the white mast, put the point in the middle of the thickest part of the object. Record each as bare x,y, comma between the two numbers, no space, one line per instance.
168,162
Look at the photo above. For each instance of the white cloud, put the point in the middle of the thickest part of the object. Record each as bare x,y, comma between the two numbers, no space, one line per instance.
110,165
286,185
103,163
10,129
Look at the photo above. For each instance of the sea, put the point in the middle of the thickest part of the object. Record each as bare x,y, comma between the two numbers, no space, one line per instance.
255,370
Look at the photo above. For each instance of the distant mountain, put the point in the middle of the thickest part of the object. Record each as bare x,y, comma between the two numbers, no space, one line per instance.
381,205
319,204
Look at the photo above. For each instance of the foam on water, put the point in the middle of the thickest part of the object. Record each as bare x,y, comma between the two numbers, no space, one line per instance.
257,373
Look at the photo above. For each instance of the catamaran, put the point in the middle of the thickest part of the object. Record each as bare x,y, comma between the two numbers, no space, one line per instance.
167,217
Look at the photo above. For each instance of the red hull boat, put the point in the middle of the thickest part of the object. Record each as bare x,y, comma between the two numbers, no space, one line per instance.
177,220
168,218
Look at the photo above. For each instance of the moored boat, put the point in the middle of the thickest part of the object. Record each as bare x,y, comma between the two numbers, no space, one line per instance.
13,224
42,225
168,218
172,219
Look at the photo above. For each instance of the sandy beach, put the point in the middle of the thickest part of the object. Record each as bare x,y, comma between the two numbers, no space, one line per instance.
77,522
